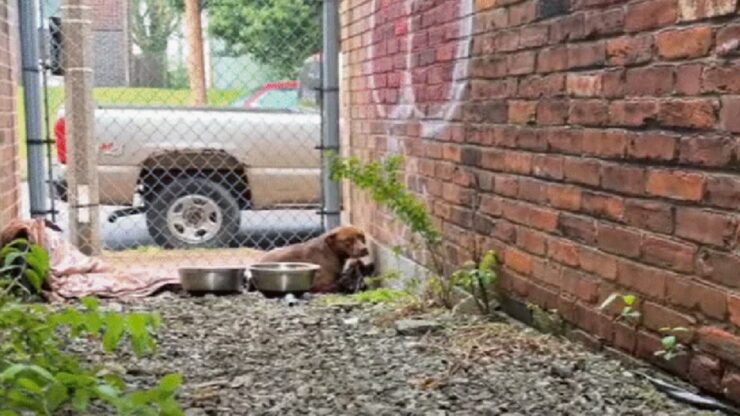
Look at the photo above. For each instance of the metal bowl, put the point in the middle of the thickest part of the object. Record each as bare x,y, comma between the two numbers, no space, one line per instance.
278,279
212,280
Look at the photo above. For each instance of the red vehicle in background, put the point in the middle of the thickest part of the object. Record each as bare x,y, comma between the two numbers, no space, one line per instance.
280,95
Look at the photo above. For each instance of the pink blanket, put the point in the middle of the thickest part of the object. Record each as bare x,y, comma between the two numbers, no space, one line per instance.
75,275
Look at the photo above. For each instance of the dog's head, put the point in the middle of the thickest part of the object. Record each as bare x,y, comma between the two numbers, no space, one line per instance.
348,242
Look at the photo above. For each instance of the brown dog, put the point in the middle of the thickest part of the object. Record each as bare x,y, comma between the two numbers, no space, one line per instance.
330,251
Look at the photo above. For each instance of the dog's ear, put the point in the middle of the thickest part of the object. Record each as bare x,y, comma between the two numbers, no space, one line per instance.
332,240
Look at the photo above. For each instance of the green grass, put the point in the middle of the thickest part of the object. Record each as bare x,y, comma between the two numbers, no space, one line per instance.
120,96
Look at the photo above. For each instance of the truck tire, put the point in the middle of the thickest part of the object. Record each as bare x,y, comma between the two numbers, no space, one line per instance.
193,213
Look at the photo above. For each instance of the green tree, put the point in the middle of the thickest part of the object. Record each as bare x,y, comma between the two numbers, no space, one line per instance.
278,33
152,24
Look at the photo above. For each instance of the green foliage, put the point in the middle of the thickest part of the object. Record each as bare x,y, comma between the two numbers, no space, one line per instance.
277,33
24,268
670,347
372,297
37,376
381,180
477,279
152,24
629,310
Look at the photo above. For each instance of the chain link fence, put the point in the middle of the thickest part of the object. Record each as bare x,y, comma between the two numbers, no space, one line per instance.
206,124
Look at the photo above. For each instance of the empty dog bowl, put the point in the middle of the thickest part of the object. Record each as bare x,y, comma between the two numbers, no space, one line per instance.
280,279
212,280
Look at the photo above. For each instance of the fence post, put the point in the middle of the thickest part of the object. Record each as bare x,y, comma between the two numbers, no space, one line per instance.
330,110
27,14
82,176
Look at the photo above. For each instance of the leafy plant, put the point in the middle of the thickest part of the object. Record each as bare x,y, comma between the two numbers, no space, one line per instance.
670,347
37,376
476,279
24,268
629,312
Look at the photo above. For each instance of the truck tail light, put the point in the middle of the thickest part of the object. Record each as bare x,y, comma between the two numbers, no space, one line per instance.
61,141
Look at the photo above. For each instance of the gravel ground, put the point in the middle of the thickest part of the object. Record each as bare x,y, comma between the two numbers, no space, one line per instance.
246,355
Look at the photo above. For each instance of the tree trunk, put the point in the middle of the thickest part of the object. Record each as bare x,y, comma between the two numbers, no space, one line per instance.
196,64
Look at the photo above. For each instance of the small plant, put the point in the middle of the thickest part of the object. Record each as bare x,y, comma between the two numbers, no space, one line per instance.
671,348
373,297
629,312
24,268
476,279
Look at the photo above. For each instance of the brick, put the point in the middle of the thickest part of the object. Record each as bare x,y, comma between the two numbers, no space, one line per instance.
648,281
657,316
668,254
610,144
705,226
567,28
531,139
564,140
692,114
651,81
633,113
625,337
706,372
521,63
728,40
522,112
542,86
597,262
547,272
731,384
563,251
580,285
588,112
719,267
690,10
722,79
543,219
518,261
553,59
623,178
564,197
552,112
551,8
487,89
630,50
697,296
689,79
648,343
613,83
603,206
585,55
676,184
533,36
531,241
580,85
723,191
583,171
707,151
729,119
650,14
599,23
580,229
522,13
518,162
532,190
649,215
618,240
506,186
720,343
733,304
548,166
684,43
653,146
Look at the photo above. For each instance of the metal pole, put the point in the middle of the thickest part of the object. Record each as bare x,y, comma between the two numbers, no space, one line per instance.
27,14
330,110
79,114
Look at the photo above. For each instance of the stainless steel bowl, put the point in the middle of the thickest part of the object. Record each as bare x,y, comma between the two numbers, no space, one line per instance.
212,280
283,278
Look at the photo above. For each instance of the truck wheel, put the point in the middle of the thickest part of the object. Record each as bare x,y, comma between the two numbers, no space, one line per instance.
193,213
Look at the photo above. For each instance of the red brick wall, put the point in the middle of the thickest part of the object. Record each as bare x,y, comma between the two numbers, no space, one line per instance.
9,207
604,139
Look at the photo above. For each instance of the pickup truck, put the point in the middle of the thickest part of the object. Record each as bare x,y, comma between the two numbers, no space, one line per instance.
192,170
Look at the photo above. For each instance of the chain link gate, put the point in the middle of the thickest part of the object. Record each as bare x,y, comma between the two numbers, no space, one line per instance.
215,149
